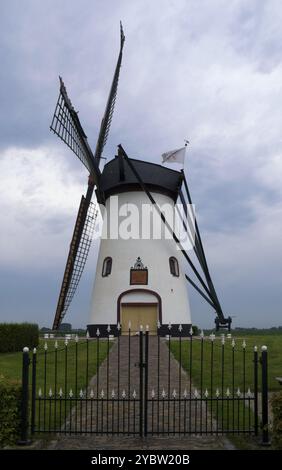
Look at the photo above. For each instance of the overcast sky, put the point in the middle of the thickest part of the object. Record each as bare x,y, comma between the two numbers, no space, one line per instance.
206,70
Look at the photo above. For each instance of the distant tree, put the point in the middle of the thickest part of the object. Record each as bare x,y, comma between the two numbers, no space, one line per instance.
195,330
67,327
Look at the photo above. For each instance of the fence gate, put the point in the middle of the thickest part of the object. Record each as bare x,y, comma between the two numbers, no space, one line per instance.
144,385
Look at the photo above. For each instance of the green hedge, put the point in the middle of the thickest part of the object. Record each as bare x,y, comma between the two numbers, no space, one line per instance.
15,336
10,412
276,403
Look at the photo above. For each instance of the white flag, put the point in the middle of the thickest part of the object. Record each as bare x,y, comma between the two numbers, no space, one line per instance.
173,156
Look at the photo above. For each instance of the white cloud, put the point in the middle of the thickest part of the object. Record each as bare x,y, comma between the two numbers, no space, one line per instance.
39,198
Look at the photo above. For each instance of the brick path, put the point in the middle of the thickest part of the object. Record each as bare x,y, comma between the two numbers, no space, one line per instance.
191,442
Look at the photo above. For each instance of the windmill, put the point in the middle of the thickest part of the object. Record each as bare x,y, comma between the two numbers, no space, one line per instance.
137,281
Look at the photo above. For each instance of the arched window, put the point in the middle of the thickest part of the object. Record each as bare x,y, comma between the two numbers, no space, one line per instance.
173,266
107,266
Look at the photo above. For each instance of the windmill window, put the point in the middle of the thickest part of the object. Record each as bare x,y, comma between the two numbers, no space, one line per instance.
107,266
173,266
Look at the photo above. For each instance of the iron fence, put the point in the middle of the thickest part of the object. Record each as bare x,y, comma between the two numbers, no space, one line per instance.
145,385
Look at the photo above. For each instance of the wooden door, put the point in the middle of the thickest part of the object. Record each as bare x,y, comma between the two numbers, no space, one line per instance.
139,314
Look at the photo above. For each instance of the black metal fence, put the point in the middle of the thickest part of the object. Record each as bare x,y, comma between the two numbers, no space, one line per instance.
145,385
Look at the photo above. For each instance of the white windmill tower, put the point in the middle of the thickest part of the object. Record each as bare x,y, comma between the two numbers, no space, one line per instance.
139,280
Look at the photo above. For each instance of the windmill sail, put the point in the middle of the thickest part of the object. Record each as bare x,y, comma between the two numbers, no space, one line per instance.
67,126
107,118
200,254
78,253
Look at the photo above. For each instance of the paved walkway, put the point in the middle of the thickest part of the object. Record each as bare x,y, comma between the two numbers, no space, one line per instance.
192,442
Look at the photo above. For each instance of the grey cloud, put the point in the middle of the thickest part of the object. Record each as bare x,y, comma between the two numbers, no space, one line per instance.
206,71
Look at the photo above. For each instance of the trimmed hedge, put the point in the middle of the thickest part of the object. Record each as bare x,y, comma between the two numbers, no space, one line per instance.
10,412
276,402
15,336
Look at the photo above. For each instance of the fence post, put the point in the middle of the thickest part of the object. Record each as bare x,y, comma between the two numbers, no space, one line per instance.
264,398
141,391
256,389
33,391
146,381
24,402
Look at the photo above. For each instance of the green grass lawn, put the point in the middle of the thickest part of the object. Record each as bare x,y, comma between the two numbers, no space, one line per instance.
210,378
273,342
66,369
78,374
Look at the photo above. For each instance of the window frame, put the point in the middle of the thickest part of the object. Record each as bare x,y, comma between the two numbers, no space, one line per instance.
173,266
107,266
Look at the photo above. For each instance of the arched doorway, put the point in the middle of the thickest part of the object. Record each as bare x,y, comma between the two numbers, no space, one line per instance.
139,307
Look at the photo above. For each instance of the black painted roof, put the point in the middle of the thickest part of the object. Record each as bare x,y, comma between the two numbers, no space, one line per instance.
156,177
